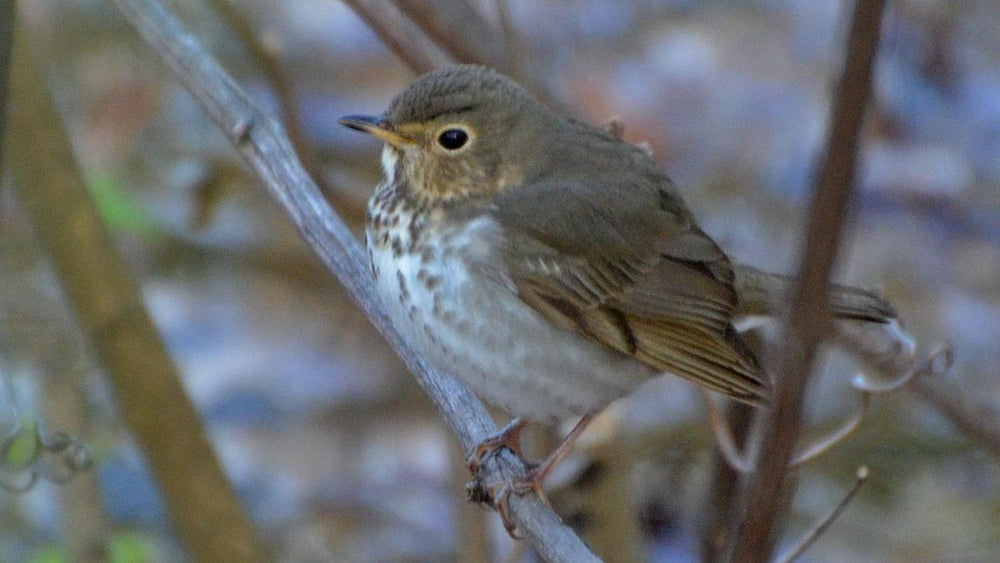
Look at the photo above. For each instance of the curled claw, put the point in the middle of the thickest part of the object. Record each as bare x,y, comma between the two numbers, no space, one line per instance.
499,496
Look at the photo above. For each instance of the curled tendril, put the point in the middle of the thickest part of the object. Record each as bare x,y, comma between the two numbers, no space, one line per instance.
21,448
27,454
938,362
889,348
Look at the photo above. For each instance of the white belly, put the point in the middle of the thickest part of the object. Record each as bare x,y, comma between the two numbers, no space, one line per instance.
483,334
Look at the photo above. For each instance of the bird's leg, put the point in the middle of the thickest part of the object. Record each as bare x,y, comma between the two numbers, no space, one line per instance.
509,436
533,480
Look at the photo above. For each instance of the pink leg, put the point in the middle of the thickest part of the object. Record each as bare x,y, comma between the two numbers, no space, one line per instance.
534,479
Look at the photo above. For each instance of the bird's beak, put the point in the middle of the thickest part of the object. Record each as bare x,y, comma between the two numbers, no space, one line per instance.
377,126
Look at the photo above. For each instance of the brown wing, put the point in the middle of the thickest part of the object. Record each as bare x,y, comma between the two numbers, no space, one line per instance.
634,274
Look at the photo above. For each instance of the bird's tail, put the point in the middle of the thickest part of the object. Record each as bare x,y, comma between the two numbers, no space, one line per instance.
762,293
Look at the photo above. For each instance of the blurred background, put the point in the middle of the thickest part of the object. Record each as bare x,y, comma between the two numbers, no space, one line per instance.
335,452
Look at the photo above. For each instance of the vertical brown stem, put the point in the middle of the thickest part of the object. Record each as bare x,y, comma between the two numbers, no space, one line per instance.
809,318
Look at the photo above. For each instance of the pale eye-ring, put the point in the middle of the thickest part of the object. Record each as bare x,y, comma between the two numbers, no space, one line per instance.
453,138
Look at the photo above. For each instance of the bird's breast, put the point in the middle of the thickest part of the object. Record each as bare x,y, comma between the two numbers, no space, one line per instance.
444,289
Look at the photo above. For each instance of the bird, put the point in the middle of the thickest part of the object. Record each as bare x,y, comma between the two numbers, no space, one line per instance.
551,266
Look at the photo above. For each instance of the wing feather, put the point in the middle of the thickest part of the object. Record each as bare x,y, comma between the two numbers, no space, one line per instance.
645,282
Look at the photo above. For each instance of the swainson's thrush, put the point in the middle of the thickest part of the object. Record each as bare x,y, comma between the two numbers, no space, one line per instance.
548,264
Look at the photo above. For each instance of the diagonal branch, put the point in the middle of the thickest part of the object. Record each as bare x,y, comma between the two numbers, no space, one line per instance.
809,318
458,29
974,417
109,307
800,547
428,35
351,205
401,35
261,141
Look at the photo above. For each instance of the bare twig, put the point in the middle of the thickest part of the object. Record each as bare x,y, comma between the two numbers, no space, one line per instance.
809,316
261,141
401,35
444,24
972,416
738,458
110,309
844,431
723,503
347,203
978,420
741,460
459,29
814,534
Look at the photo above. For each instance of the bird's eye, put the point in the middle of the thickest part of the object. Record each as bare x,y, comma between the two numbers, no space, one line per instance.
453,139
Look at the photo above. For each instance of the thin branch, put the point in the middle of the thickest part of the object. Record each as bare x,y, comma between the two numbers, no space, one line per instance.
814,534
741,460
977,419
844,431
109,306
974,417
401,35
723,503
261,141
347,203
809,315
738,459
445,24
459,30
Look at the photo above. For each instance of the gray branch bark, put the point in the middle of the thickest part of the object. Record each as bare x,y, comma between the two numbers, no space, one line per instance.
266,148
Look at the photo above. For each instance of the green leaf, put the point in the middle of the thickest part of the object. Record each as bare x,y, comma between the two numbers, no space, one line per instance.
116,206
48,554
21,449
128,547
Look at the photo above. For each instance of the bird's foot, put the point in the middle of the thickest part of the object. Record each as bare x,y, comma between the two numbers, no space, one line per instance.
500,497
498,494
509,436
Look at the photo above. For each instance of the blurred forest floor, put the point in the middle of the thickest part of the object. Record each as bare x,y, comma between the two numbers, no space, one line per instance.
317,422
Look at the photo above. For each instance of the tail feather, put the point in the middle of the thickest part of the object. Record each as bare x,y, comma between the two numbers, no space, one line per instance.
762,293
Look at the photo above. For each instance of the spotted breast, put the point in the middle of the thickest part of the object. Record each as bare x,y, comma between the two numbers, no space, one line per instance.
444,292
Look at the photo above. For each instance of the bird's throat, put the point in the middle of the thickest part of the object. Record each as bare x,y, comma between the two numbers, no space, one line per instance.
390,159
